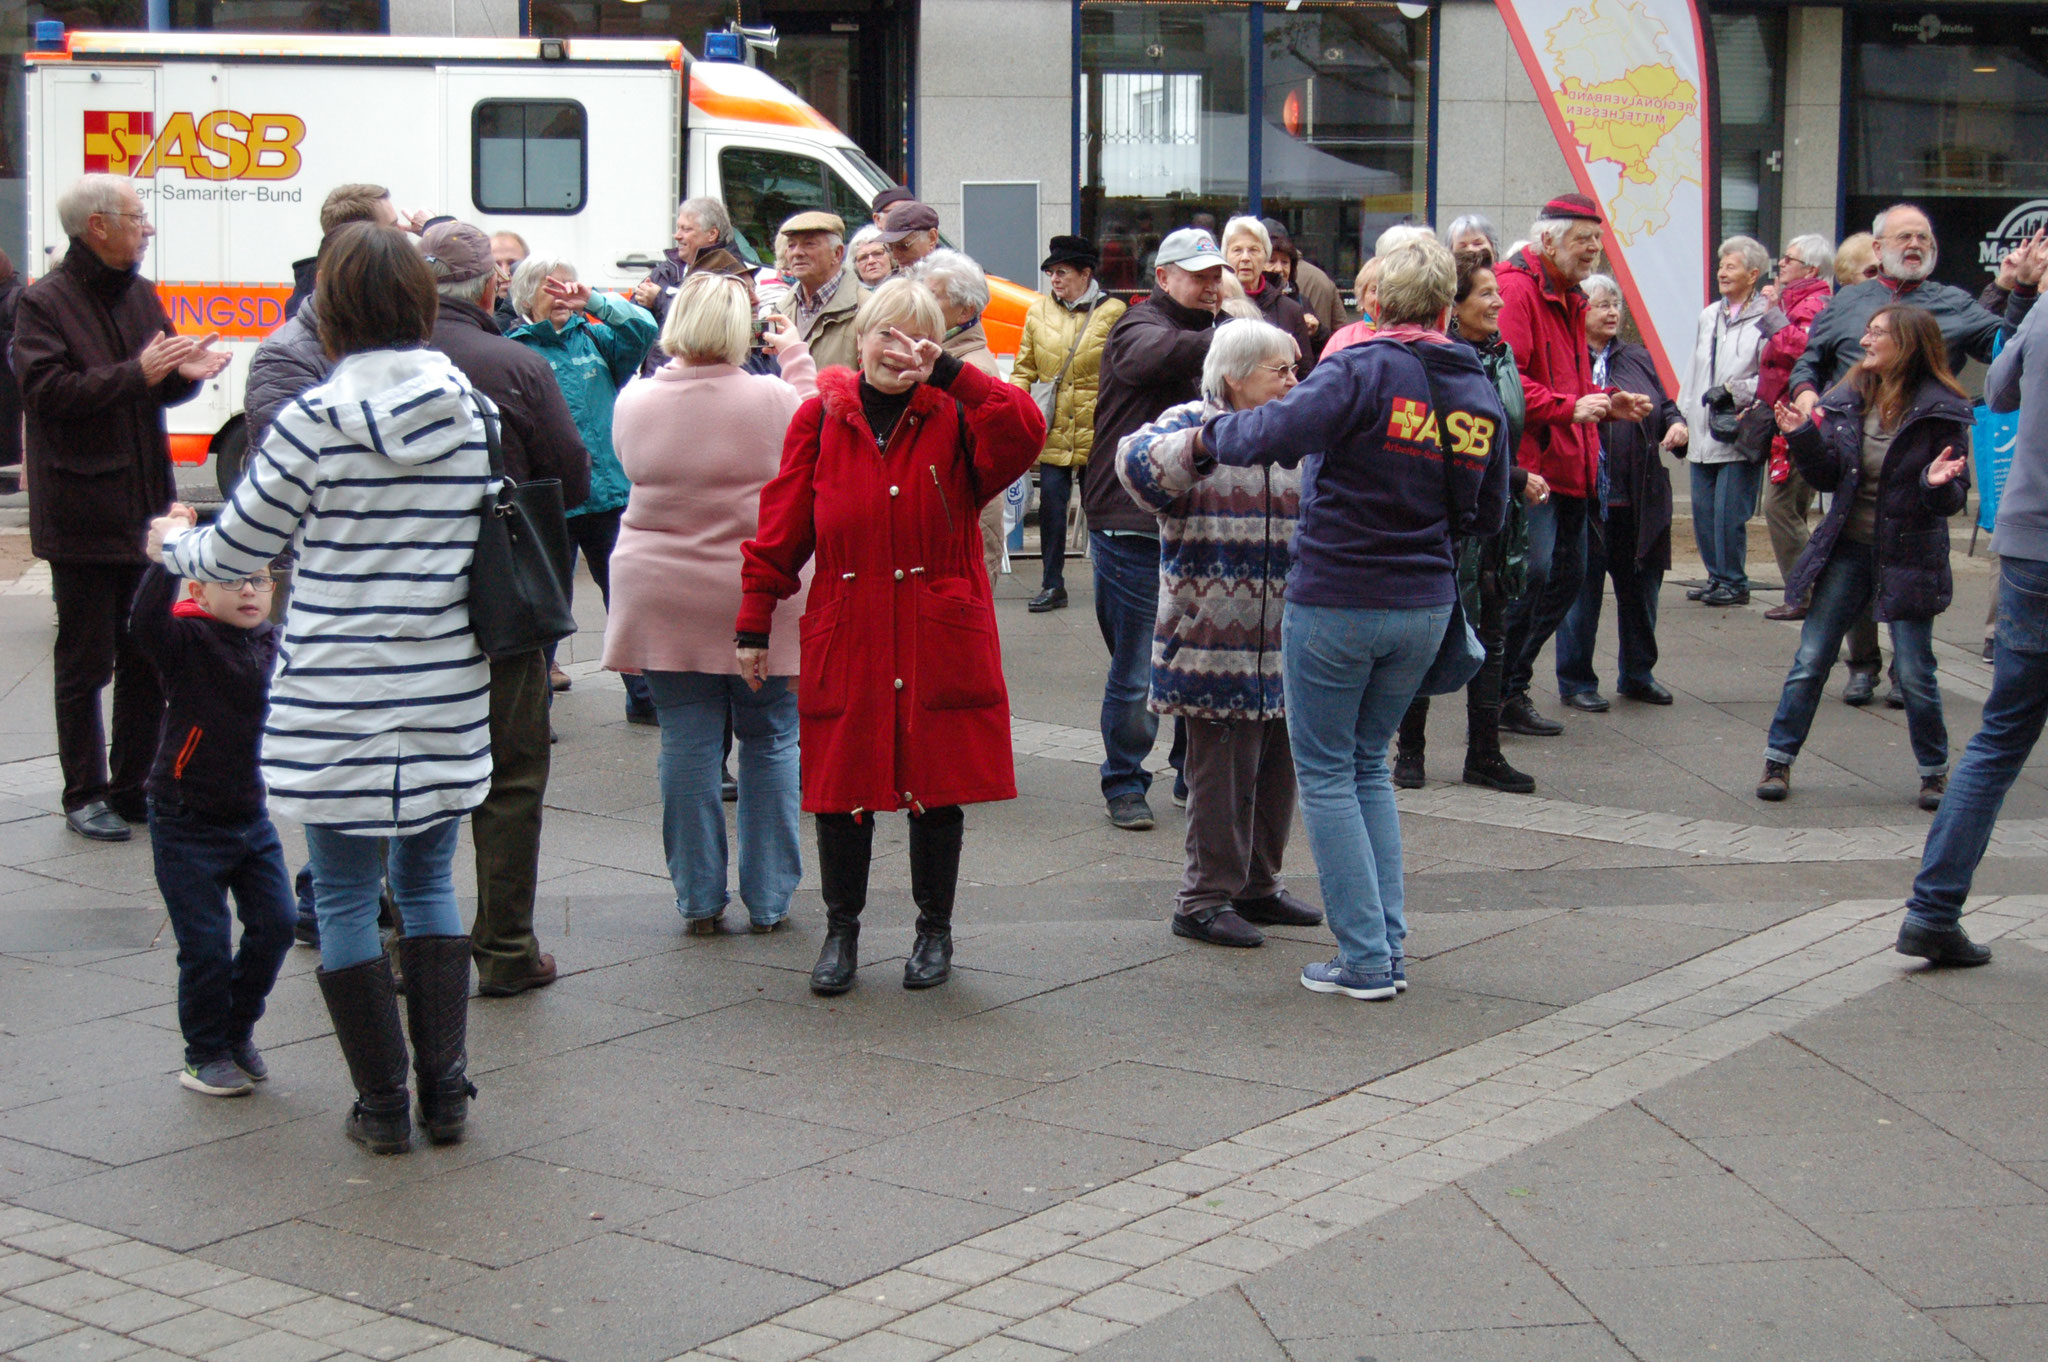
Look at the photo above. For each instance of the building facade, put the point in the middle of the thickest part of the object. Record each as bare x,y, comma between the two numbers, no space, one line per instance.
1123,119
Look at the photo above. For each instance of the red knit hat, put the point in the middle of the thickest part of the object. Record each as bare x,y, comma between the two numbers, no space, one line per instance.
1573,206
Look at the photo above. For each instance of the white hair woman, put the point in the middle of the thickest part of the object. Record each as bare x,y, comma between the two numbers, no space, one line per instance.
699,440
1726,358
903,704
1225,536
1472,232
870,256
1412,453
1248,250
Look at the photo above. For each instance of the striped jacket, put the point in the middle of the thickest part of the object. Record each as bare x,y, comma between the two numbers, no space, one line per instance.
1226,542
379,717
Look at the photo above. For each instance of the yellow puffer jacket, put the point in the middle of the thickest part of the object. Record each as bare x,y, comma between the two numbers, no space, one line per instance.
1049,329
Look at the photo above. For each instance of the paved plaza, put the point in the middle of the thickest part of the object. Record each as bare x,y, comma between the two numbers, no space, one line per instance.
1661,1089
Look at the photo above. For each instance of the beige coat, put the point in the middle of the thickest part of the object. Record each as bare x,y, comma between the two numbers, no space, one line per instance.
830,336
1049,329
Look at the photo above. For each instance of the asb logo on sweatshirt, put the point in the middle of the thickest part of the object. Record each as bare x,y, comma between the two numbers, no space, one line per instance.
1414,423
221,145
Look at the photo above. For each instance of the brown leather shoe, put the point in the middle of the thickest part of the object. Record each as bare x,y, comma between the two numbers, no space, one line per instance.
540,976
1787,611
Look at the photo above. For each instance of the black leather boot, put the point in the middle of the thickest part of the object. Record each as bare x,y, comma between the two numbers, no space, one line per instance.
437,1018
845,849
1484,765
1409,744
363,1001
934,875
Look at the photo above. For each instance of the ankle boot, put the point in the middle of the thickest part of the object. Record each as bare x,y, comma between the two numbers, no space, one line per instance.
934,875
437,1017
1484,765
846,846
1408,745
363,1002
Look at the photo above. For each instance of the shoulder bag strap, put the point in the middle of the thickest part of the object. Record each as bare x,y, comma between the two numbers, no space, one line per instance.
1075,348
1436,412
492,445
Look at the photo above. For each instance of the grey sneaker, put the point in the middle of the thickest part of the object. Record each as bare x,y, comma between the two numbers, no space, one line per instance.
218,1077
249,1060
1130,812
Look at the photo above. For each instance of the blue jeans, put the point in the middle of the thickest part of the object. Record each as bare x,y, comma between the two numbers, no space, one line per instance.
1839,597
1557,573
1723,500
199,862
349,873
1635,609
1126,608
2012,725
1350,677
1055,491
693,709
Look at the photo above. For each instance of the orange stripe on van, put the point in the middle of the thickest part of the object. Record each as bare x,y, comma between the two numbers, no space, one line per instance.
234,310
754,109
191,450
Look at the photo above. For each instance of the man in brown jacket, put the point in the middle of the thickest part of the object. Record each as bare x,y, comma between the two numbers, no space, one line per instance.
98,363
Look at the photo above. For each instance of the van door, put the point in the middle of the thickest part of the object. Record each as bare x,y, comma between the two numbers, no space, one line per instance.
93,120
766,180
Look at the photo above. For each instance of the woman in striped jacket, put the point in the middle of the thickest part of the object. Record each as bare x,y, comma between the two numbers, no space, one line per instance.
379,723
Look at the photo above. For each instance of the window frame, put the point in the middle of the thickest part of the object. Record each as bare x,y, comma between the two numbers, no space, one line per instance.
476,150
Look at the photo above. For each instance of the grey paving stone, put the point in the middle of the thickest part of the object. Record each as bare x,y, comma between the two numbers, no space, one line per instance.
1567,958
1972,1256
1011,1042
1002,1160
700,1147
186,1277
19,1269
615,1298
131,1310
1877,1038
250,1296
1999,1333
1222,1328
120,1123
320,1317
70,1290
1159,1105
272,1345
199,1332
84,1344
839,1228
124,1259
25,1167
1772,1088
1905,1166
874,1093
2005,1122
62,1241
1541,1343
508,1031
388,1336
21,1325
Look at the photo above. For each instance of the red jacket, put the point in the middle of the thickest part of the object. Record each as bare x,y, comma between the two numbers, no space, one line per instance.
1801,303
901,702
1545,325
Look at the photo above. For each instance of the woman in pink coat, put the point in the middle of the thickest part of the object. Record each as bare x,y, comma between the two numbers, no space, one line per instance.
699,438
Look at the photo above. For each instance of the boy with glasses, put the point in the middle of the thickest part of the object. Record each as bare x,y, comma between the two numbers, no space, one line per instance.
213,647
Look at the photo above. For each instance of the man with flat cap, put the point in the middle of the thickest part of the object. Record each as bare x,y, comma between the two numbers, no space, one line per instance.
911,232
827,291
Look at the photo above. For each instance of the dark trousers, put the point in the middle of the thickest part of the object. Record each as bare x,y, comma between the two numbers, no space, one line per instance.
199,862
1055,492
506,826
1240,775
1557,568
594,535
93,647
1611,552
1482,693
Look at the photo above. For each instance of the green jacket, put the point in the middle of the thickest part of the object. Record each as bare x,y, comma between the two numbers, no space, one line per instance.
1506,554
593,356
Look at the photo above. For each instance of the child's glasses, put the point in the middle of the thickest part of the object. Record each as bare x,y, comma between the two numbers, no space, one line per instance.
259,585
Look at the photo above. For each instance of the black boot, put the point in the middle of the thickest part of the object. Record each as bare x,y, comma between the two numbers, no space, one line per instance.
437,1017
1408,746
363,1002
846,846
934,875
1484,765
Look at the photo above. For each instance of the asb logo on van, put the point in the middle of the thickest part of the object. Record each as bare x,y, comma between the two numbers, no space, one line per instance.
222,145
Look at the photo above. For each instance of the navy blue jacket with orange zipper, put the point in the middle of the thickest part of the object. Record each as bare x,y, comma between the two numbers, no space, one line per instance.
216,682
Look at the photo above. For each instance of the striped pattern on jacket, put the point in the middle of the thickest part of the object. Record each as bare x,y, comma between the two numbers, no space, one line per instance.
379,719
1226,543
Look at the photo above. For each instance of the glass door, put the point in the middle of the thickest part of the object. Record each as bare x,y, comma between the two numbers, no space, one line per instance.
1749,52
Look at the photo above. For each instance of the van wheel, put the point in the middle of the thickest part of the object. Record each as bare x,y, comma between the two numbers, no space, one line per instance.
229,458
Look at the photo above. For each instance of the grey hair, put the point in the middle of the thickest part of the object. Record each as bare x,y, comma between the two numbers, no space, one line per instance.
1598,286
1877,223
1251,227
532,273
464,290
707,213
1238,349
955,279
1398,233
1754,256
91,194
863,237
1815,250
1418,281
1473,222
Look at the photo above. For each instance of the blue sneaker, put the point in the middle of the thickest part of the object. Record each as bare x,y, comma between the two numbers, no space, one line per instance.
1327,976
1399,969
249,1060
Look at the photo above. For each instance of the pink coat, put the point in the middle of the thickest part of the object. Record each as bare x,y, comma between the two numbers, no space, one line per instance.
699,443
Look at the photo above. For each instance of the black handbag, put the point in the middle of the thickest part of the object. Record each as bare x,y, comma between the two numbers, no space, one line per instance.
1747,430
1459,656
519,580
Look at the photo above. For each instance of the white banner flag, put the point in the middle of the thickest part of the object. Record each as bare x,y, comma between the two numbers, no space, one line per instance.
1623,83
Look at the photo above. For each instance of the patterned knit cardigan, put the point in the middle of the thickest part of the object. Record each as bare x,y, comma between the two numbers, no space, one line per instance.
1226,542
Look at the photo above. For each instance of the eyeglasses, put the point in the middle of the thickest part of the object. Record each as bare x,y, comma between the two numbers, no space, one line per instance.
141,218
260,585
1282,368
1911,238
1870,271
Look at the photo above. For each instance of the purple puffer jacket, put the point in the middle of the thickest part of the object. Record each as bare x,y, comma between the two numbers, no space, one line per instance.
1913,579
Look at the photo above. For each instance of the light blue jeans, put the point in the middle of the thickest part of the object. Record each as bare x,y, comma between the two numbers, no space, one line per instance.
1350,677
348,878
692,708
1723,500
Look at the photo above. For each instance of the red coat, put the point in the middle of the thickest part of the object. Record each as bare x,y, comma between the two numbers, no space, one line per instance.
901,702
1545,324
1801,303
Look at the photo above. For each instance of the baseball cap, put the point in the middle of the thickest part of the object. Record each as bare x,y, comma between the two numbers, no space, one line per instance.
816,221
456,252
889,198
1191,248
907,217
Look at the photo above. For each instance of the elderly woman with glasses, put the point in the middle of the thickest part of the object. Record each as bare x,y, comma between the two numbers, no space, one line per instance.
1225,539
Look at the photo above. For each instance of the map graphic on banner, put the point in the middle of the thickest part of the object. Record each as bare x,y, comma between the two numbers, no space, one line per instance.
1625,95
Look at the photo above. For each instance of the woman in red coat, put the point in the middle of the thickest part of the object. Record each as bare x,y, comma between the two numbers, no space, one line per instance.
901,703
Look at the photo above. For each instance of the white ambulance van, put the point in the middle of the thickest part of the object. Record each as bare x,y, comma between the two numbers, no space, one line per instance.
583,146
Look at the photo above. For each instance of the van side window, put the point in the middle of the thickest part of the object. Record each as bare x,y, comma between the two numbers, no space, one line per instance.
528,155
764,189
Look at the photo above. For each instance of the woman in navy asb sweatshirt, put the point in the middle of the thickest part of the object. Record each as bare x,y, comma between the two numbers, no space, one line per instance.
1405,449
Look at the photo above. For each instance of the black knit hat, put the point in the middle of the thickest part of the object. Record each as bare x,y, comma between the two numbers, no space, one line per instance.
1077,251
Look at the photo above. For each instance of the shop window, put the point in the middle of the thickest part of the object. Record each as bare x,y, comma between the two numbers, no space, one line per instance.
529,155
764,189
1749,52
1948,110
278,16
